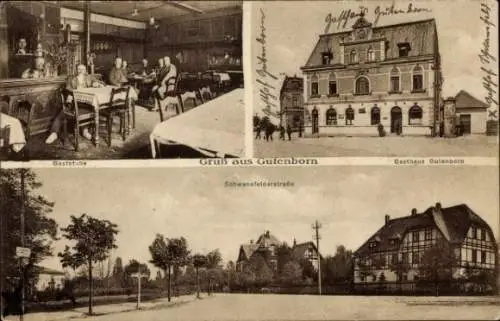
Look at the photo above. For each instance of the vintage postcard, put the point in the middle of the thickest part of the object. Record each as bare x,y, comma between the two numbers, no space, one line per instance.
250,244
121,80
375,78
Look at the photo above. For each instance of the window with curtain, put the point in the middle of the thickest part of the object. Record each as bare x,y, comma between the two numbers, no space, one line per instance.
331,117
362,86
395,80
370,56
353,57
415,115
418,78
314,86
332,85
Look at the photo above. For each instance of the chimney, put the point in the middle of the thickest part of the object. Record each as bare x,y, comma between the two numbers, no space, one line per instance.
251,241
267,234
438,206
413,212
387,218
294,242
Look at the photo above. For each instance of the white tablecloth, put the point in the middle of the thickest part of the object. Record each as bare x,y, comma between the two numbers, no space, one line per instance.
218,125
16,137
99,96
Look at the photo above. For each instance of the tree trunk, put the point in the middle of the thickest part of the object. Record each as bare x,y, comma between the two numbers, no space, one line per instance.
197,284
169,285
91,285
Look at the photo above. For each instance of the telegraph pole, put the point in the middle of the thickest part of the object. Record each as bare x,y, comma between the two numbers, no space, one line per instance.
22,217
139,276
316,226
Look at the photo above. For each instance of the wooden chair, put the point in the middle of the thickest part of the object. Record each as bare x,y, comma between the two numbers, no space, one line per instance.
171,97
118,107
82,116
207,85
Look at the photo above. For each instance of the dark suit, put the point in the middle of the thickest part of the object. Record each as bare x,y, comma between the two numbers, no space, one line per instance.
117,77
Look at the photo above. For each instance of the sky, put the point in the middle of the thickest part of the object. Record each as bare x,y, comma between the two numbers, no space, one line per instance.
349,202
293,28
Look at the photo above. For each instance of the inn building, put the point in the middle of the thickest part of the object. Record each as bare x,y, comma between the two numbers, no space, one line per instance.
292,102
390,75
405,240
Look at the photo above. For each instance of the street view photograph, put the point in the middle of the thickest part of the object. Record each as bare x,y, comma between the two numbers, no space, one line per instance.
363,243
375,78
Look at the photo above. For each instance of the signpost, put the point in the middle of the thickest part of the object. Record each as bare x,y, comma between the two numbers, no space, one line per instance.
23,252
139,276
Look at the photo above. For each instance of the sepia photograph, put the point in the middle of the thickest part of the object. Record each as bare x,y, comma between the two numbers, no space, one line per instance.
121,80
375,78
250,244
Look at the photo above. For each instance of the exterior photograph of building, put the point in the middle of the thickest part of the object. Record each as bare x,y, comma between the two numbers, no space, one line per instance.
372,72
356,80
399,256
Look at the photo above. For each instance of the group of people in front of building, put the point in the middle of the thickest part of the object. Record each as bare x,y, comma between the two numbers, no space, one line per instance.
163,81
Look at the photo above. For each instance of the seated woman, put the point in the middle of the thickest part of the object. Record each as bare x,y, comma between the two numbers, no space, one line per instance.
81,80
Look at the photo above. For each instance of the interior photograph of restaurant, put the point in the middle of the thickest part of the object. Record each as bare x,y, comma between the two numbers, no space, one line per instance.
98,80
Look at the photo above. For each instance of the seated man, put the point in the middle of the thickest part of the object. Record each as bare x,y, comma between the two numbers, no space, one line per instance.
117,77
81,80
37,71
165,83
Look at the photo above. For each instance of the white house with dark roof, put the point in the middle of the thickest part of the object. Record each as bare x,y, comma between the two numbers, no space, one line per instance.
405,239
49,279
471,113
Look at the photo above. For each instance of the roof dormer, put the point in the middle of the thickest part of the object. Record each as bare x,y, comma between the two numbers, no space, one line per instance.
361,29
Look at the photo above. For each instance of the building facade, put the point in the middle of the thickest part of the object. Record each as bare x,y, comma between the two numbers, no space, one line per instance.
470,114
292,102
358,79
393,257
266,246
49,279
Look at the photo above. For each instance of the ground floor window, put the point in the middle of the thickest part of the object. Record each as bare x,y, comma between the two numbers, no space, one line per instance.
331,117
349,116
415,115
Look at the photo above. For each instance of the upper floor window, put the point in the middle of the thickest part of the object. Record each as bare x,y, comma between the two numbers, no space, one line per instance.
418,78
331,117
295,101
415,236
415,115
362,86
332,85
404,258
375,116
370,55
474,256
353,57
314,86
349,115
428,234
483,235
474,233
372,244
404,49
395,80
326,58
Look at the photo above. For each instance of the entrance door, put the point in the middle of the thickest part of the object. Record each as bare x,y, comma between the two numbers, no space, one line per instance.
465,124
315,127
396,120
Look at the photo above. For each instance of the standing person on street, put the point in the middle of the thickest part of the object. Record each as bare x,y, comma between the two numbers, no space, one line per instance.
289,131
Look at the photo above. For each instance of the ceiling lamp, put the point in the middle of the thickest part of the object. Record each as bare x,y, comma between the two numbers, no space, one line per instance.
152,20
135,13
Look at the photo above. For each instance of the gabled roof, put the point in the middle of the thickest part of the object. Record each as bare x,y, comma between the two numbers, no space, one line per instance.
247,250
420,34
300,249
465,100
457,221
267,239
295,81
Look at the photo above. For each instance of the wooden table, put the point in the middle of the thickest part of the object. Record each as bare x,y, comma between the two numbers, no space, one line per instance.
215,128
99,99
15,134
